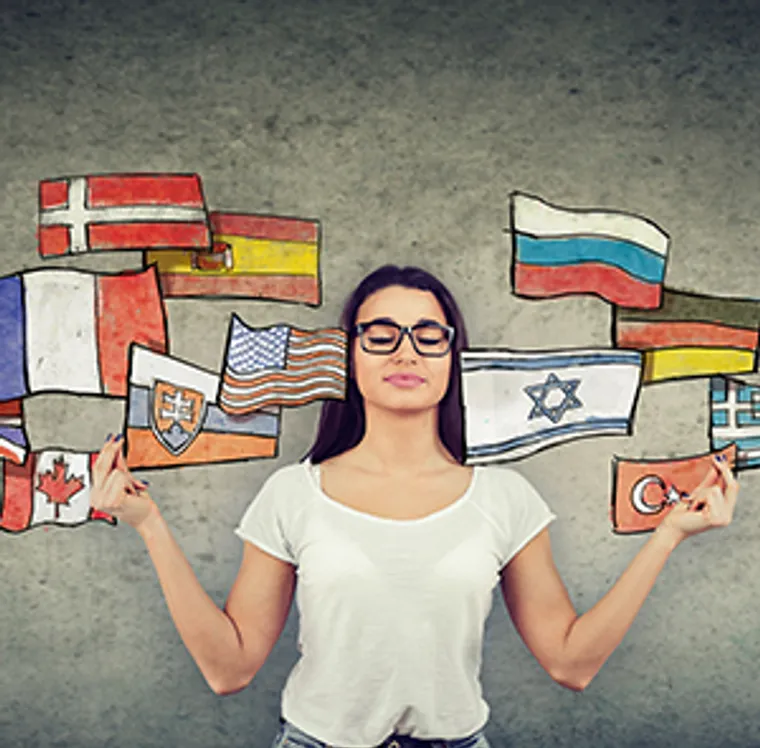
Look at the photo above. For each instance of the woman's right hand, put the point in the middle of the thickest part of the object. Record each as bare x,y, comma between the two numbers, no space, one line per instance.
115,490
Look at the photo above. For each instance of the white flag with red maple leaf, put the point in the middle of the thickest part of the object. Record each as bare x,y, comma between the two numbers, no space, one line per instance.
51,487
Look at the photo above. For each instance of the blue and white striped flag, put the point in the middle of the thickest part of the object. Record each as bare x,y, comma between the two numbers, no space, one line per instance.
735,417
517,403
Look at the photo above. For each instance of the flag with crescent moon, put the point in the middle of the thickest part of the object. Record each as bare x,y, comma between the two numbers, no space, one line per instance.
644,491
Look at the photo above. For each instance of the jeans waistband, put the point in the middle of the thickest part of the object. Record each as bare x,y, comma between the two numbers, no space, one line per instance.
397,741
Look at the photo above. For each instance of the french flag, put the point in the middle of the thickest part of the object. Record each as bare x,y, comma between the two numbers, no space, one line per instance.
617,256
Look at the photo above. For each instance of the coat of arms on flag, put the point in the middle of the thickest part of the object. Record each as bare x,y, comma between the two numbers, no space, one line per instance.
516,403
644,491
281,365
69,331
122,211
617,256
51,488
173,417
254,256
691,335
735,418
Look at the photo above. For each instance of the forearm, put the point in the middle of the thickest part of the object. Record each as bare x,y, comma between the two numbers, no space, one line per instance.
594,635
208,633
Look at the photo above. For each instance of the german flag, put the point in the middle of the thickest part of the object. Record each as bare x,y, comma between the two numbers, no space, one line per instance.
691,335
254,256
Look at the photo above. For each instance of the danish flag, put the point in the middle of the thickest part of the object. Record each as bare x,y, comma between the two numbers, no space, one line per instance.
122,211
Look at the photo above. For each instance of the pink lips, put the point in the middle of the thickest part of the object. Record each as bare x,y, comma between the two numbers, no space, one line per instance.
404,380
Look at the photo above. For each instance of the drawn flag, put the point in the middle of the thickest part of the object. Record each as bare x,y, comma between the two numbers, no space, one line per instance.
281,365
122,211
735,418
13,442
517,403
644,491
691,335
51,488
173,418
617,256
69,331
259,256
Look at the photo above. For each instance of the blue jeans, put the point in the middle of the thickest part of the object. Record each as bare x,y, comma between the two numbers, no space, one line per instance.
289,736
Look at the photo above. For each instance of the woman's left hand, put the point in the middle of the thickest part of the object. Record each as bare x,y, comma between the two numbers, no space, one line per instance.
711,504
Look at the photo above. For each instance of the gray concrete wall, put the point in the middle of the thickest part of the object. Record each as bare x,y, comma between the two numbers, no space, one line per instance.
402,126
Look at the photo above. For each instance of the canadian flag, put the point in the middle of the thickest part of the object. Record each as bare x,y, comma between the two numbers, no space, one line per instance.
122,211
51,487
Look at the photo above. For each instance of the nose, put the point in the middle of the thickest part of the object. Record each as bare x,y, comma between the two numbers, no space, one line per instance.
406,345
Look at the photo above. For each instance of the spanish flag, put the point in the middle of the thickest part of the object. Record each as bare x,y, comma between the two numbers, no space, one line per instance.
259,256
691,335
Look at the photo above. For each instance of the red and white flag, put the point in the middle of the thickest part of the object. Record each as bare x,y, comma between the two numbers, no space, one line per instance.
51,488
122,211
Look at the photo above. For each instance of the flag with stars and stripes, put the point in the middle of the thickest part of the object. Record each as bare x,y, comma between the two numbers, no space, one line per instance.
735,418
122,211
519,402
281,365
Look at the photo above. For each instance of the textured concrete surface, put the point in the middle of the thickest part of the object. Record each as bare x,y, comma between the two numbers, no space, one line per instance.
402,126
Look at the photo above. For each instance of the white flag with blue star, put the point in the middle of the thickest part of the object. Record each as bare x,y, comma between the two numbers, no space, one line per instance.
517,402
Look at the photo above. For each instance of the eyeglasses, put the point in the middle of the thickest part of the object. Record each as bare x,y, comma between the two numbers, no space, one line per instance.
384,336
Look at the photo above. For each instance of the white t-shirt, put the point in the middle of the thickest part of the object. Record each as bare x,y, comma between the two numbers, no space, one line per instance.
391,612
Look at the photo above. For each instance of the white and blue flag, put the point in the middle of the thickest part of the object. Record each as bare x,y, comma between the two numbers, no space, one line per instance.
517,402
735,417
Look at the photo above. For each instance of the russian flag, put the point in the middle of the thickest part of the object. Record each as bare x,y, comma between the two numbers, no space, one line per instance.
617,256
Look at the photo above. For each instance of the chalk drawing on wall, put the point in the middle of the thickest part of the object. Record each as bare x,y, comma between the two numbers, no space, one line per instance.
518,402
172,417
644,491
281,365
617,256
260,256
691,335
735,418
13,440
69,331
122,212
51,488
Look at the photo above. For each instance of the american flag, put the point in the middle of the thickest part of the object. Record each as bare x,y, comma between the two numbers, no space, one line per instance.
281,365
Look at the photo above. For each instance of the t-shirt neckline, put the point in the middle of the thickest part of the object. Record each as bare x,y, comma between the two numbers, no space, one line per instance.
314,477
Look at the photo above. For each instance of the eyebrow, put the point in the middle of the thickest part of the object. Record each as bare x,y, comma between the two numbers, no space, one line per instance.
421,320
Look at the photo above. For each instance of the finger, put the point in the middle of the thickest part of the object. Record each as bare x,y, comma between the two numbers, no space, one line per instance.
708,480
121,464
111,496
721,462
105,461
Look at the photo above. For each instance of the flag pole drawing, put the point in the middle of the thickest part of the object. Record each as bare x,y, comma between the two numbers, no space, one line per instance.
51,488
644,491
281,365
617,256
172,417
518,402
254,256
69,331
122,212
735,418
691,335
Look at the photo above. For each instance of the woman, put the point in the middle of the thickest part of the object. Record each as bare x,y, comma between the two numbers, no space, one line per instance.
398,546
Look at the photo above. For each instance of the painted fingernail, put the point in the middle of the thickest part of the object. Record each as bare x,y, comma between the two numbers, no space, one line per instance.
118,438
108,437
720,458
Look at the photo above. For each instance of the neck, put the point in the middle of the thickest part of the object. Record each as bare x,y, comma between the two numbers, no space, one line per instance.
401,442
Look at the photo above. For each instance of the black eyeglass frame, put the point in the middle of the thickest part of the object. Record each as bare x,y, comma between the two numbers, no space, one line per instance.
405,330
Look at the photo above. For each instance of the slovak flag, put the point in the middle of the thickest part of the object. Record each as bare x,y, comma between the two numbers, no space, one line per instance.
51,488
122,211
69,331
617,256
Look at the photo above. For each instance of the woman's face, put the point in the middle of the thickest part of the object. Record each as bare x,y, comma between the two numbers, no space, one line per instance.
403,380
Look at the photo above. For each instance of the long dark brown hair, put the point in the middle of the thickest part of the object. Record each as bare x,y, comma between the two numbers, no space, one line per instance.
341,422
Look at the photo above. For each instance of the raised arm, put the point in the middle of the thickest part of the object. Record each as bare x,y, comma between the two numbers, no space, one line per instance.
229,646
573,648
